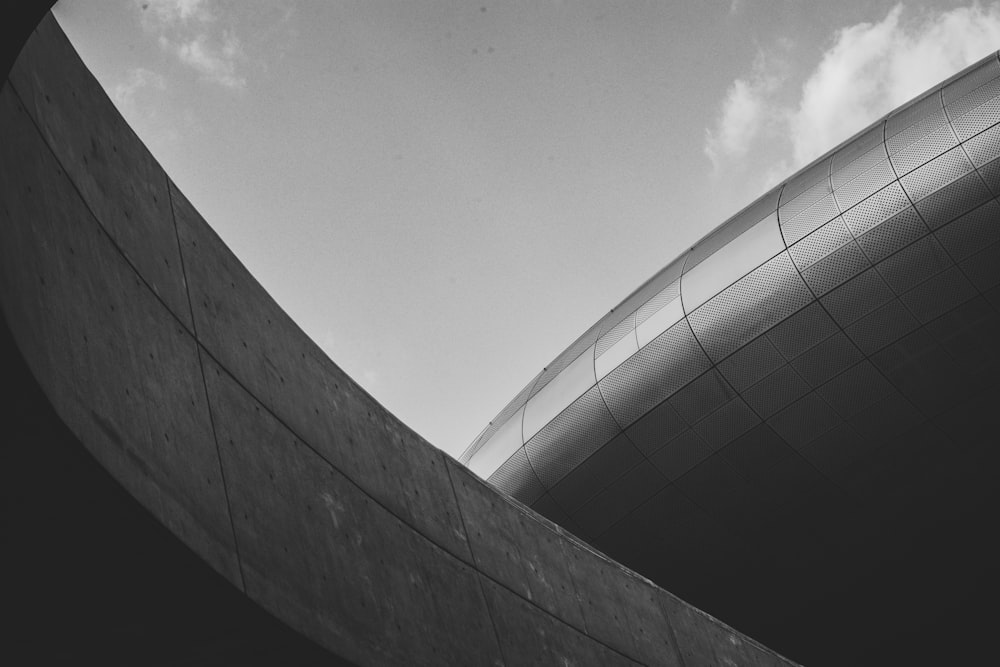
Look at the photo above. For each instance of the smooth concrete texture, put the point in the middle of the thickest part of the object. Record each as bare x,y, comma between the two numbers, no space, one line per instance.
180,375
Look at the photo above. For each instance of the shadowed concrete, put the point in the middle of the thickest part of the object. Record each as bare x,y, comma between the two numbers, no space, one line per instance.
172,366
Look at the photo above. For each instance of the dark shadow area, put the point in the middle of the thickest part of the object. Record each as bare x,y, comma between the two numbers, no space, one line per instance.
90,577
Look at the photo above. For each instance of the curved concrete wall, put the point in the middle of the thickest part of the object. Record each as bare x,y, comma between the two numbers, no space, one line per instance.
194,389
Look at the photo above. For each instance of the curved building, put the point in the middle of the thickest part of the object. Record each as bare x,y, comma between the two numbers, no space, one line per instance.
801,405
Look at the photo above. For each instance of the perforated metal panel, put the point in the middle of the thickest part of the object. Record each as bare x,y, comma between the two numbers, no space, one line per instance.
656,428
802,330
976,111
856,388
826,359
914,264
936,174
990,173
703,396
575,434
966,92
984,147
516,478
681,454
749,307
618,499
804,420
857,297
874,210
776,392
751,363
924,149
836,269
820,243
897,232
982,270
755,451
884,325
939,294
727,423
654,373
972,232
867,183
953,200
660,300
498,421
595,473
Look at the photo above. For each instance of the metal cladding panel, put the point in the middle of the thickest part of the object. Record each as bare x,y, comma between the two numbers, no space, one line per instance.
866,183
936,174
755,451
825,360
622,496
656,428
897,232
991,176
976,111
819,244
801,331
776,392
727,423
971,232
876,209
939,294
733,228
574,380
836,269
501,446
804,420
882,326
615,347
681,455
957,94
857,297
661,319
654,373
570,354
913,122
984,147
702,397
498,421
748,308
751,363
914,264
860,155
855,389
658,301
576,433
924,149
595,473
955,199
516,478
732,262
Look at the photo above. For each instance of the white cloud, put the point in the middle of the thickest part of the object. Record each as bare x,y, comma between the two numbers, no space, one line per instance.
124,93
192,32
174,11
868,70
216,63
745,112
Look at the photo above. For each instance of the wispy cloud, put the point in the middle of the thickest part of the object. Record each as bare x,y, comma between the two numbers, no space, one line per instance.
868,69
191,31
124,93
746,111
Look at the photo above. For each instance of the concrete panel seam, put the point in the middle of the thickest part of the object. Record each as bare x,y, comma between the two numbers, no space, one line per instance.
479,573
93,215
586,547
204,386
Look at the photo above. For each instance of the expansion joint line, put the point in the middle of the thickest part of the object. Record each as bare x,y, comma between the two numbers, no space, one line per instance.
204,385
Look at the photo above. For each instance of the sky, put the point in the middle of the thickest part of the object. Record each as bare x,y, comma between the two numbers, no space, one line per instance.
445,194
